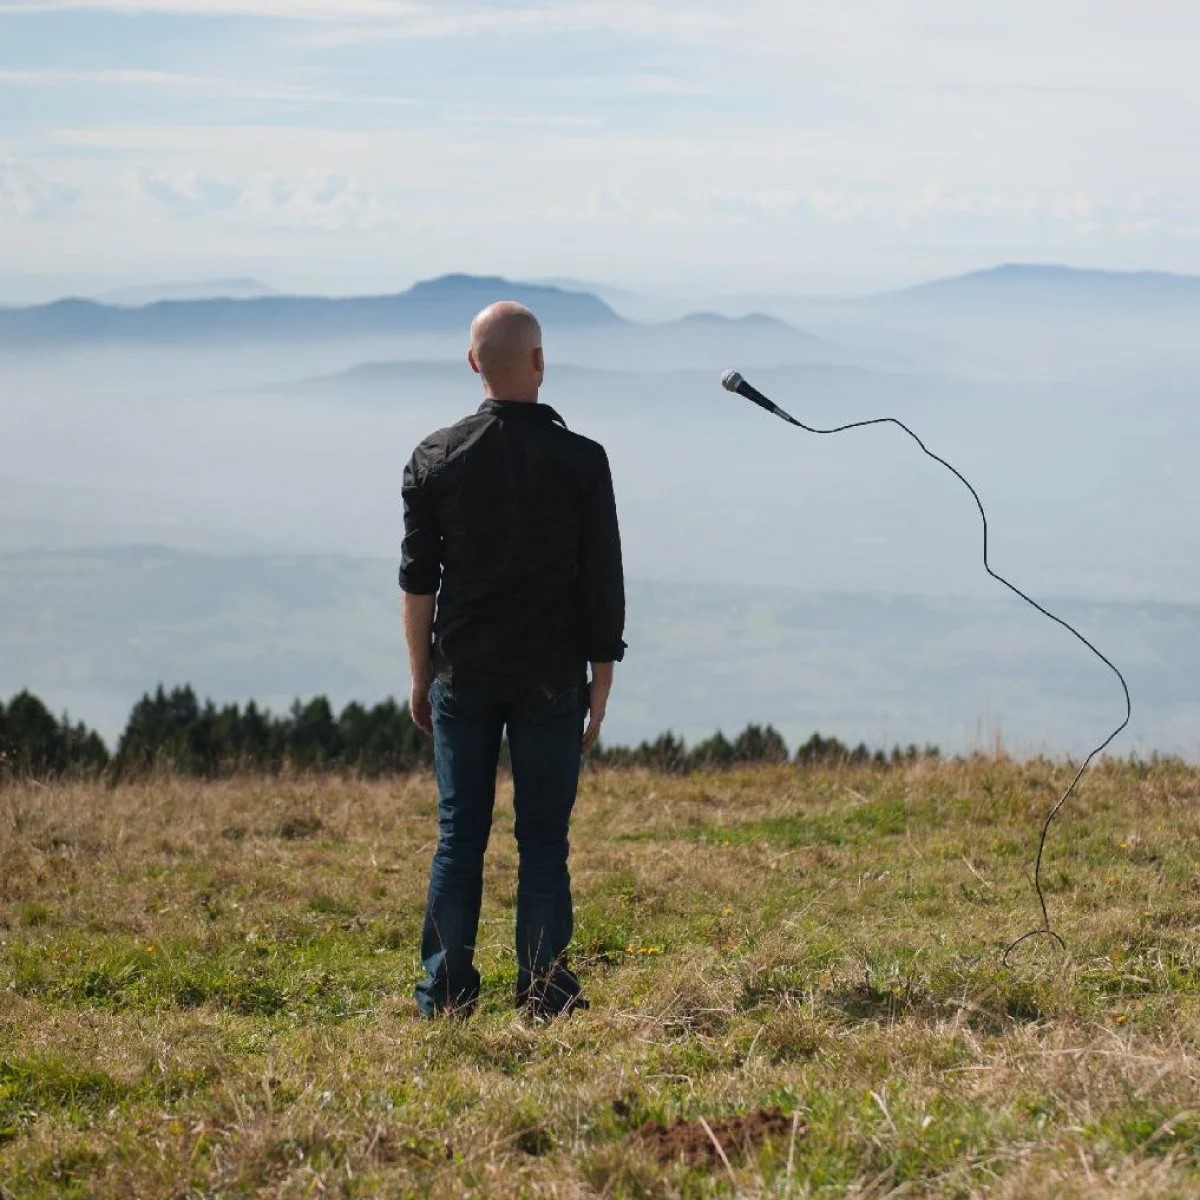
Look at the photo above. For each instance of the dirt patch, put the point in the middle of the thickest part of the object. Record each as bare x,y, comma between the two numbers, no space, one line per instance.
689,1141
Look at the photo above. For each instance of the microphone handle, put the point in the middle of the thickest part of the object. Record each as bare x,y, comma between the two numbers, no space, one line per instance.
754,395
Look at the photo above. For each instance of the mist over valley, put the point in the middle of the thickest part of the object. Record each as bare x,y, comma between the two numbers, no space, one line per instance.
207,490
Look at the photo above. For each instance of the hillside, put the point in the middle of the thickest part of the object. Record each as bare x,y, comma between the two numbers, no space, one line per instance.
796,984
435,305
1052,292
137,295
987,321
581,325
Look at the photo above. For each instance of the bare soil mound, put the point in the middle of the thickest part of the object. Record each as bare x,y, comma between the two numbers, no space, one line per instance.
691,1142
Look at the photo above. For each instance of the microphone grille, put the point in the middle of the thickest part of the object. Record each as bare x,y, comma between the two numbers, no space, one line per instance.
731,381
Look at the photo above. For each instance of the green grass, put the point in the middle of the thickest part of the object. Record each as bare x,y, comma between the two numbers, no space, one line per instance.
204,990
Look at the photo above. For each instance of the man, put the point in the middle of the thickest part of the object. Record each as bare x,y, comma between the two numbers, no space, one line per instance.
510,524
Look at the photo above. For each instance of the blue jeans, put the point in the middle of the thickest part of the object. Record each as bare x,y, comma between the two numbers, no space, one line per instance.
543,743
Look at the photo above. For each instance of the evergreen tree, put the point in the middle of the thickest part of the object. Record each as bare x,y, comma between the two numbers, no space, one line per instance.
173,730
312,735
34,740
715,751
820,751
758,745
85,748
259,740
163,730
387,741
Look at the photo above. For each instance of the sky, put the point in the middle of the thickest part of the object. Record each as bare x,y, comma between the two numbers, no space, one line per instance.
349,146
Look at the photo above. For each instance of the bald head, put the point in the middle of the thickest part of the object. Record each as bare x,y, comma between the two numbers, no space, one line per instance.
506,349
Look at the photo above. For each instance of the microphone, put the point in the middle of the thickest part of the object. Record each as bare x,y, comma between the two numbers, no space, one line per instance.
732,381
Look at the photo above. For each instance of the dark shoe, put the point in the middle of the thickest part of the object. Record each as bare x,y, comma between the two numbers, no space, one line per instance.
433,1000
557,996
456,1012
544,1012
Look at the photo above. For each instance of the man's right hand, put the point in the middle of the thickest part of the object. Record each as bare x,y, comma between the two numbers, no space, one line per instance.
598,689
420,708
597,703
418,635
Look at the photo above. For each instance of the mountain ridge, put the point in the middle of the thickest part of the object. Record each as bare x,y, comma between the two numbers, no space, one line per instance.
429,306
443,305
139,295
446,303
1032,282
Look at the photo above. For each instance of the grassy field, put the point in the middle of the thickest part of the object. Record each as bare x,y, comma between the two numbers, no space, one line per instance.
795,978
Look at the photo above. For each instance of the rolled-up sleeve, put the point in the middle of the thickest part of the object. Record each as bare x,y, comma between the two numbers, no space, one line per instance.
602,581
420,557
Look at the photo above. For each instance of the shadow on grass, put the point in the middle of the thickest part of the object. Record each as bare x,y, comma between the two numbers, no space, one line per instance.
992,1008
988,1000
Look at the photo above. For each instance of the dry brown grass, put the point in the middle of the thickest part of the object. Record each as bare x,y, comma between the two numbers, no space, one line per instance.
204,991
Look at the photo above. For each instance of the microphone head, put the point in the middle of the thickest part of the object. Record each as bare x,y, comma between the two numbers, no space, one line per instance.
731,381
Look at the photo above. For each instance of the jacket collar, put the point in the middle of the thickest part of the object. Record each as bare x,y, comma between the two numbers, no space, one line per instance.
522,408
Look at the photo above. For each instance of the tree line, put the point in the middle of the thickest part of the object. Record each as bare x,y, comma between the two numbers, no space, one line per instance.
174,731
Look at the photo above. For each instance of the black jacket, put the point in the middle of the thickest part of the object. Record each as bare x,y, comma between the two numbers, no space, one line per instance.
510,518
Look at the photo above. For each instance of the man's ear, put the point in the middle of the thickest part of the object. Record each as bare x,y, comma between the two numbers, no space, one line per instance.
539,361
473,364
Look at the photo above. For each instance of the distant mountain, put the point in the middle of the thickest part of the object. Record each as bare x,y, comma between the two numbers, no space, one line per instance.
753,320
1048,290
583,327
216,289
237,309
708,339
605,291
436,306
629,351
634,306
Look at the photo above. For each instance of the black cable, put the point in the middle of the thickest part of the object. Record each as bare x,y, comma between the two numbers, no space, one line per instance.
734,383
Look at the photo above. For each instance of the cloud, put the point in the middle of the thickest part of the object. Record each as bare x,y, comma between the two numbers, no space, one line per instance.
448,21
661,85
190,193
404,18
28,193
292,10
768,132
317,200
479,116
186,83
712,177
223,87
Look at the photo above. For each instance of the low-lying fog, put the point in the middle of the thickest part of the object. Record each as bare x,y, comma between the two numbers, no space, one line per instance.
264,450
